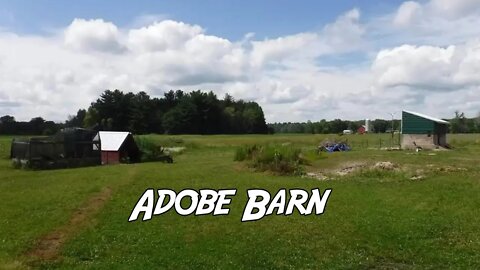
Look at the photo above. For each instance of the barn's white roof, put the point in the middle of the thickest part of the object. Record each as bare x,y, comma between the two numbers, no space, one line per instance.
111,140
428,117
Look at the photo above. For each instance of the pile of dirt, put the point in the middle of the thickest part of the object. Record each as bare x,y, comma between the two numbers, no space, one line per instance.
385,165
350,169
382,165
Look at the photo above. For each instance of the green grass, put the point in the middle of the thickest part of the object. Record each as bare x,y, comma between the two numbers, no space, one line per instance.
374,219
279,159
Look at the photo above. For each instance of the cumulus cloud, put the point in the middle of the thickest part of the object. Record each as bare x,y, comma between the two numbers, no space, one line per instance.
429,68
182,54
284,48
438,17
96,35
53,76
343,35
162,36
450,10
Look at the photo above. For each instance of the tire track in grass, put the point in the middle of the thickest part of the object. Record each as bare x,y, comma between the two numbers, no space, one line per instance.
49,247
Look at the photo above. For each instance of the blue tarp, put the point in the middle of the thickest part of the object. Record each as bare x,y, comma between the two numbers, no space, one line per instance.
338,147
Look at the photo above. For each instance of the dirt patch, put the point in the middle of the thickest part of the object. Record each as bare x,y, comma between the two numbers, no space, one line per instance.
350,168
382,165
385,165
451,169
330,174
48,247
316,175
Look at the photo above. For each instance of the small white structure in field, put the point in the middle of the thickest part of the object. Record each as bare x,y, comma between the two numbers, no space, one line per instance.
347,132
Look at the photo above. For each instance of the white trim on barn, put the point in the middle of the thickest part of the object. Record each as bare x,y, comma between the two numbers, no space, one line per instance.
111,140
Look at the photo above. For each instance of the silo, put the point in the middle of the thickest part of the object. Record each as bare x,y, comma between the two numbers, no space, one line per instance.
367,125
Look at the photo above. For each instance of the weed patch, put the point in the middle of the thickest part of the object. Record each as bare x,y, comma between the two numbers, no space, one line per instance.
281,159
151,151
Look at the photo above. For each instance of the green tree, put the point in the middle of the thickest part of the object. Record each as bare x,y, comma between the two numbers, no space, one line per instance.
180,119
76,120
92,118
459,123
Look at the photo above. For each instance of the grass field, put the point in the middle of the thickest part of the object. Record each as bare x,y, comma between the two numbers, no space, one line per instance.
378,219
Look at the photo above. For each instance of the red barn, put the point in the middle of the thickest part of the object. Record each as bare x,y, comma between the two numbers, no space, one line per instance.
361,130
117,147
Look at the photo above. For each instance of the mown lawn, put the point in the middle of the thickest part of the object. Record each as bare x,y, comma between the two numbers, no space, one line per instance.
374,219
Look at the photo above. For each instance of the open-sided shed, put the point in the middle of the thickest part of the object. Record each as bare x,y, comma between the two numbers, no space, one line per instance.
117,147
419,130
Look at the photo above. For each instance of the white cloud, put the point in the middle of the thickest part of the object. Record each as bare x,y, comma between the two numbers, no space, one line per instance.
408,13
429,68
96,35
453,9
282,48
162,36
55,75
438,20
343,35
182,54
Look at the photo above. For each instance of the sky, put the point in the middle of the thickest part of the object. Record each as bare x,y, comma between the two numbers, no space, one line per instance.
300,60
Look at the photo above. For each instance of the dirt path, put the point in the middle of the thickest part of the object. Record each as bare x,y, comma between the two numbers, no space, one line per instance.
48,247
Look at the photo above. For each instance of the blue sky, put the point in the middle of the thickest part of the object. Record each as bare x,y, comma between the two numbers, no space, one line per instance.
300,60
230,19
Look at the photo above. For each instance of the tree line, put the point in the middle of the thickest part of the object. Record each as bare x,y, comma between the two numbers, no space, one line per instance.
334,126
177,112
36,126
458,124
462,124
196,112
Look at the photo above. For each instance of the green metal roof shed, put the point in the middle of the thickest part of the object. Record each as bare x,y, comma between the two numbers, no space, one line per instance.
417,123
423,131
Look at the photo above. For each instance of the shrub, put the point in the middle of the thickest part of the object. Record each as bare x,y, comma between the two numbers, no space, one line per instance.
313,155
282,159
245,152
151,151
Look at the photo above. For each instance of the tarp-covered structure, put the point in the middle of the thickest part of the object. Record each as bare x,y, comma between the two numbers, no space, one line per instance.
70,147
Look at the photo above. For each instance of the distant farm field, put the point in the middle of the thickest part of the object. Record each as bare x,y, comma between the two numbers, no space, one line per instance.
424,214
